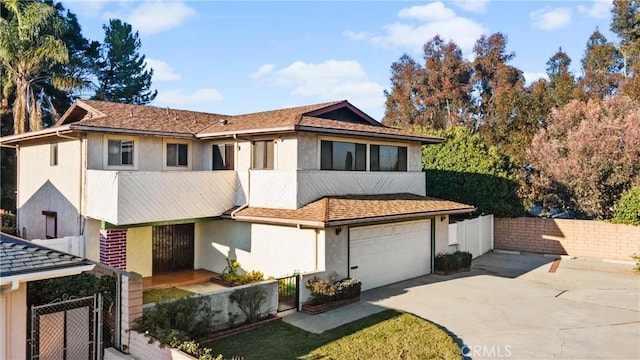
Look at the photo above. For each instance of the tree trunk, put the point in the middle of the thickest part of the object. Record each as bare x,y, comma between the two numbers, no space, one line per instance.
20,106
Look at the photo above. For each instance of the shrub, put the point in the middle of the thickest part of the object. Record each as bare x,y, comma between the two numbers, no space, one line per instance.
627,209
193,348
453,262
231,275
8,222
177,321
322,291
249,300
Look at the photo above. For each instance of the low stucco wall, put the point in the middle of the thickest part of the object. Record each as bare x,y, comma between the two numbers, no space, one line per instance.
141,349
227,310
581,238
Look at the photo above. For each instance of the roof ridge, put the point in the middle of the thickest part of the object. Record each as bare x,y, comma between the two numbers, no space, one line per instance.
155,107
318,105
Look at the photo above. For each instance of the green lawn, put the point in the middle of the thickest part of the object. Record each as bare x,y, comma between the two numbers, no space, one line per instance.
385,335
157,295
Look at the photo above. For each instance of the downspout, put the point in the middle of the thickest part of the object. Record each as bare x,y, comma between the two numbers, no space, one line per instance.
433,243
246,204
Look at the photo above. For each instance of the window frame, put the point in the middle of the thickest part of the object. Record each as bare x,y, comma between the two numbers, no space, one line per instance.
265,157
398,154
355,160
136,151
165,158
228,162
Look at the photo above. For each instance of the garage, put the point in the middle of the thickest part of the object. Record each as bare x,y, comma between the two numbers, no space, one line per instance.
384,254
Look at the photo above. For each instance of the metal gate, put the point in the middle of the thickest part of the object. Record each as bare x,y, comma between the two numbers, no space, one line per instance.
288,293
172,248
67,329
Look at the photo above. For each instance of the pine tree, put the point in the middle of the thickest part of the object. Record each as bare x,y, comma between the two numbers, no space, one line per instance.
122,76
626,24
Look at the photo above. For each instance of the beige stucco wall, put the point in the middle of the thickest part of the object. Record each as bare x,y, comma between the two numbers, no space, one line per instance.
414,157
92,236
42,187
337,251
149,152
442,236
140,250
274,250
13,323
286,153
308,151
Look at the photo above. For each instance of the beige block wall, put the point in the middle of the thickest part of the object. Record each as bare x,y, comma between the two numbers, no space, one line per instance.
13,323
92,236
581,238
140,250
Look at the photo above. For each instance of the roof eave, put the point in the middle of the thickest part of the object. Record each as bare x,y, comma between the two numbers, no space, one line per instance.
52,131
280,221
130,131
231,133
46,274
426,214
423,140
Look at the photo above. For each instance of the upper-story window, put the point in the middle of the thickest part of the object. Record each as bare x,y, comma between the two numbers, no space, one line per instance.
222,157
53,154
337,155
263,156
177,154
388,158
120,152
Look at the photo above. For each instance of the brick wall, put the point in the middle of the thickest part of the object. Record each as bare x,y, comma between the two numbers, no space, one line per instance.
113,248
580,238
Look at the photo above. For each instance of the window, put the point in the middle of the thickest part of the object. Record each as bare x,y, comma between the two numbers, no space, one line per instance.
336,155
263,155
388,158
51,224
120,152
177,154
53,154
223,157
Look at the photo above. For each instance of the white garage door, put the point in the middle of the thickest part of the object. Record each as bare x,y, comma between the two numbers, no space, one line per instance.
384,254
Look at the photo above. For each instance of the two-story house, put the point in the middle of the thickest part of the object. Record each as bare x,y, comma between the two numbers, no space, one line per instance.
313,188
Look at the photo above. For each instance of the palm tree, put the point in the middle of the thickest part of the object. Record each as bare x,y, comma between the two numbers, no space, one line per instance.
30,46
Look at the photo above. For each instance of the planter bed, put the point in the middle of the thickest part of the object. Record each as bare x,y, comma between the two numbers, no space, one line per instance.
320,308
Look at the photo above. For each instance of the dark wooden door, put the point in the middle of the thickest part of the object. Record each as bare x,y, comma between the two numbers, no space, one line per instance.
172,248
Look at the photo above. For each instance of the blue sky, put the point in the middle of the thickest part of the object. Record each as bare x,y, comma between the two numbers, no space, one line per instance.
239,57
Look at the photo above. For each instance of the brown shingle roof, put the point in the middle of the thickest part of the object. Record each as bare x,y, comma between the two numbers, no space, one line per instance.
335,210
103,114
273,119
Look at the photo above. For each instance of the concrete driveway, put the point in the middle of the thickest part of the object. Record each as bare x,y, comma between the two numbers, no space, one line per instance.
511,306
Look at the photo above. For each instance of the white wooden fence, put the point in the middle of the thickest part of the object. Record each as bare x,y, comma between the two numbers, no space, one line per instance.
474,235
74,245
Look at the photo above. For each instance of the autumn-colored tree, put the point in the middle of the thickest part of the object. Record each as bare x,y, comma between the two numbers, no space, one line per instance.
587,156
561,81
601,66
445,87
403,106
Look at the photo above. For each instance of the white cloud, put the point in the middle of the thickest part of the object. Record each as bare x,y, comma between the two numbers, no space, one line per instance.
162,71
87,8
431,12
202,96
551,19
421,23
152,17
477,6
599,9
263,71
329,80
530,77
